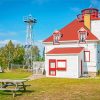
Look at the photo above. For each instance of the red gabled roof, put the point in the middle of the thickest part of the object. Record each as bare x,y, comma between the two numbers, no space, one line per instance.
71,50
70,32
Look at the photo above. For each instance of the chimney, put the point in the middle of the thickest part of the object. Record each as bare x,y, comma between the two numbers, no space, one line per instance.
87,20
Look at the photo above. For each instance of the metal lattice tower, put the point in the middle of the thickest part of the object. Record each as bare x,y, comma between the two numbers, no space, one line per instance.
30,21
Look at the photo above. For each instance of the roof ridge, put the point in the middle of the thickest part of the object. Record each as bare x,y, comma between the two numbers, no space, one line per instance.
70,32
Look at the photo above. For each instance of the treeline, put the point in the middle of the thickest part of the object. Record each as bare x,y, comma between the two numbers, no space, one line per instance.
14,54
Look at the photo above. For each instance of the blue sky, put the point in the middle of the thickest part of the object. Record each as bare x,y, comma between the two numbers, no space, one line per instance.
50,14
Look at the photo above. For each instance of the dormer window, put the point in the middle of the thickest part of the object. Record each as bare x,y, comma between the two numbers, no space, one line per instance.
82,37
82,34
56,37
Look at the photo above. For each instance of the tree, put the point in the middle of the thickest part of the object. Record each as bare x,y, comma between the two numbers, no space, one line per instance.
18,54
35,53
43,56
9,52
14,54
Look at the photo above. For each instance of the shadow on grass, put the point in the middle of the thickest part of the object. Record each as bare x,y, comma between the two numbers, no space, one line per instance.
18,93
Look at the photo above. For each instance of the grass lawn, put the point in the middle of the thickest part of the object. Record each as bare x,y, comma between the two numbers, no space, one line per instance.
16,74
59,89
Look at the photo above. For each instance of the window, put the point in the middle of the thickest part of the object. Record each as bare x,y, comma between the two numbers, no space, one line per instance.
56,37
90,11
61,64
52,73
52,64
52,67
82,35
86,56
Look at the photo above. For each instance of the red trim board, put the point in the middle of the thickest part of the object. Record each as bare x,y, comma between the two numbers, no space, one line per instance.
52,69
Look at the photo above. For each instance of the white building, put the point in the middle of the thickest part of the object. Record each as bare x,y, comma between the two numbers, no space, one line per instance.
74,50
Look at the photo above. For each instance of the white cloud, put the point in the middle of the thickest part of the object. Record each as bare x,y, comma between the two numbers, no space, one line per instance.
12,33
4,34
4,42
37,43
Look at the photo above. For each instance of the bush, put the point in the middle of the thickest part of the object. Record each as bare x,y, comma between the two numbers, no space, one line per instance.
99,72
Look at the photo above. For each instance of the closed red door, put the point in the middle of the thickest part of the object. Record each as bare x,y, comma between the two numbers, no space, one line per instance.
52,67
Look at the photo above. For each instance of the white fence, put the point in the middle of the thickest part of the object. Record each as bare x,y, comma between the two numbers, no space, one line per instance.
38,67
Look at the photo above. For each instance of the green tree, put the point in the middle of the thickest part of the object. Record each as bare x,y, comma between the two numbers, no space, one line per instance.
19,54
9,52
35,53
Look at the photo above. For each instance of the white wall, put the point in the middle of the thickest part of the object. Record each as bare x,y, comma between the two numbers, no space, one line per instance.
89,46
92,65
72,66
80,57
98,56
95,28
49,47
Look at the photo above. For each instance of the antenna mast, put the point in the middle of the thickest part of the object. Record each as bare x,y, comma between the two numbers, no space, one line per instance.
30,21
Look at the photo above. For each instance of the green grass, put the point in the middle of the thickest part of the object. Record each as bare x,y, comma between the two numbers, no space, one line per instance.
16,74
58,89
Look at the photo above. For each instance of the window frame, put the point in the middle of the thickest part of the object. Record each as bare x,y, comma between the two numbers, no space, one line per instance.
60,68
81,33
85,56
52,69
56,38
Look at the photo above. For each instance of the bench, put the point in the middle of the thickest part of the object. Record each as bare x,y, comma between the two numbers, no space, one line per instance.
10,89
13,90
12,85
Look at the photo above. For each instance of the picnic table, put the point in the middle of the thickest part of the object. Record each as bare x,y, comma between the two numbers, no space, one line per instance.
12,85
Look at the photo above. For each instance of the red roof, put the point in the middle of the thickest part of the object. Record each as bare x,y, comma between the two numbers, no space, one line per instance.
65,50
70,32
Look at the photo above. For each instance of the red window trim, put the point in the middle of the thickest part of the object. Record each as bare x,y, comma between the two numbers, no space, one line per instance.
52,74
52,69
58,68
85,56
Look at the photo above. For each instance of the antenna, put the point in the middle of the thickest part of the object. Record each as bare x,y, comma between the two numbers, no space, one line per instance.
90,6
30,21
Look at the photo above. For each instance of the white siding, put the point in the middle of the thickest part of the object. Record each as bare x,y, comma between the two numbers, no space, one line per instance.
90,46
98,56
95,28
80,57
72,66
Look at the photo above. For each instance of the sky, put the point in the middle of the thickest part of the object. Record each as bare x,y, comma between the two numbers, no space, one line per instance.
51,15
